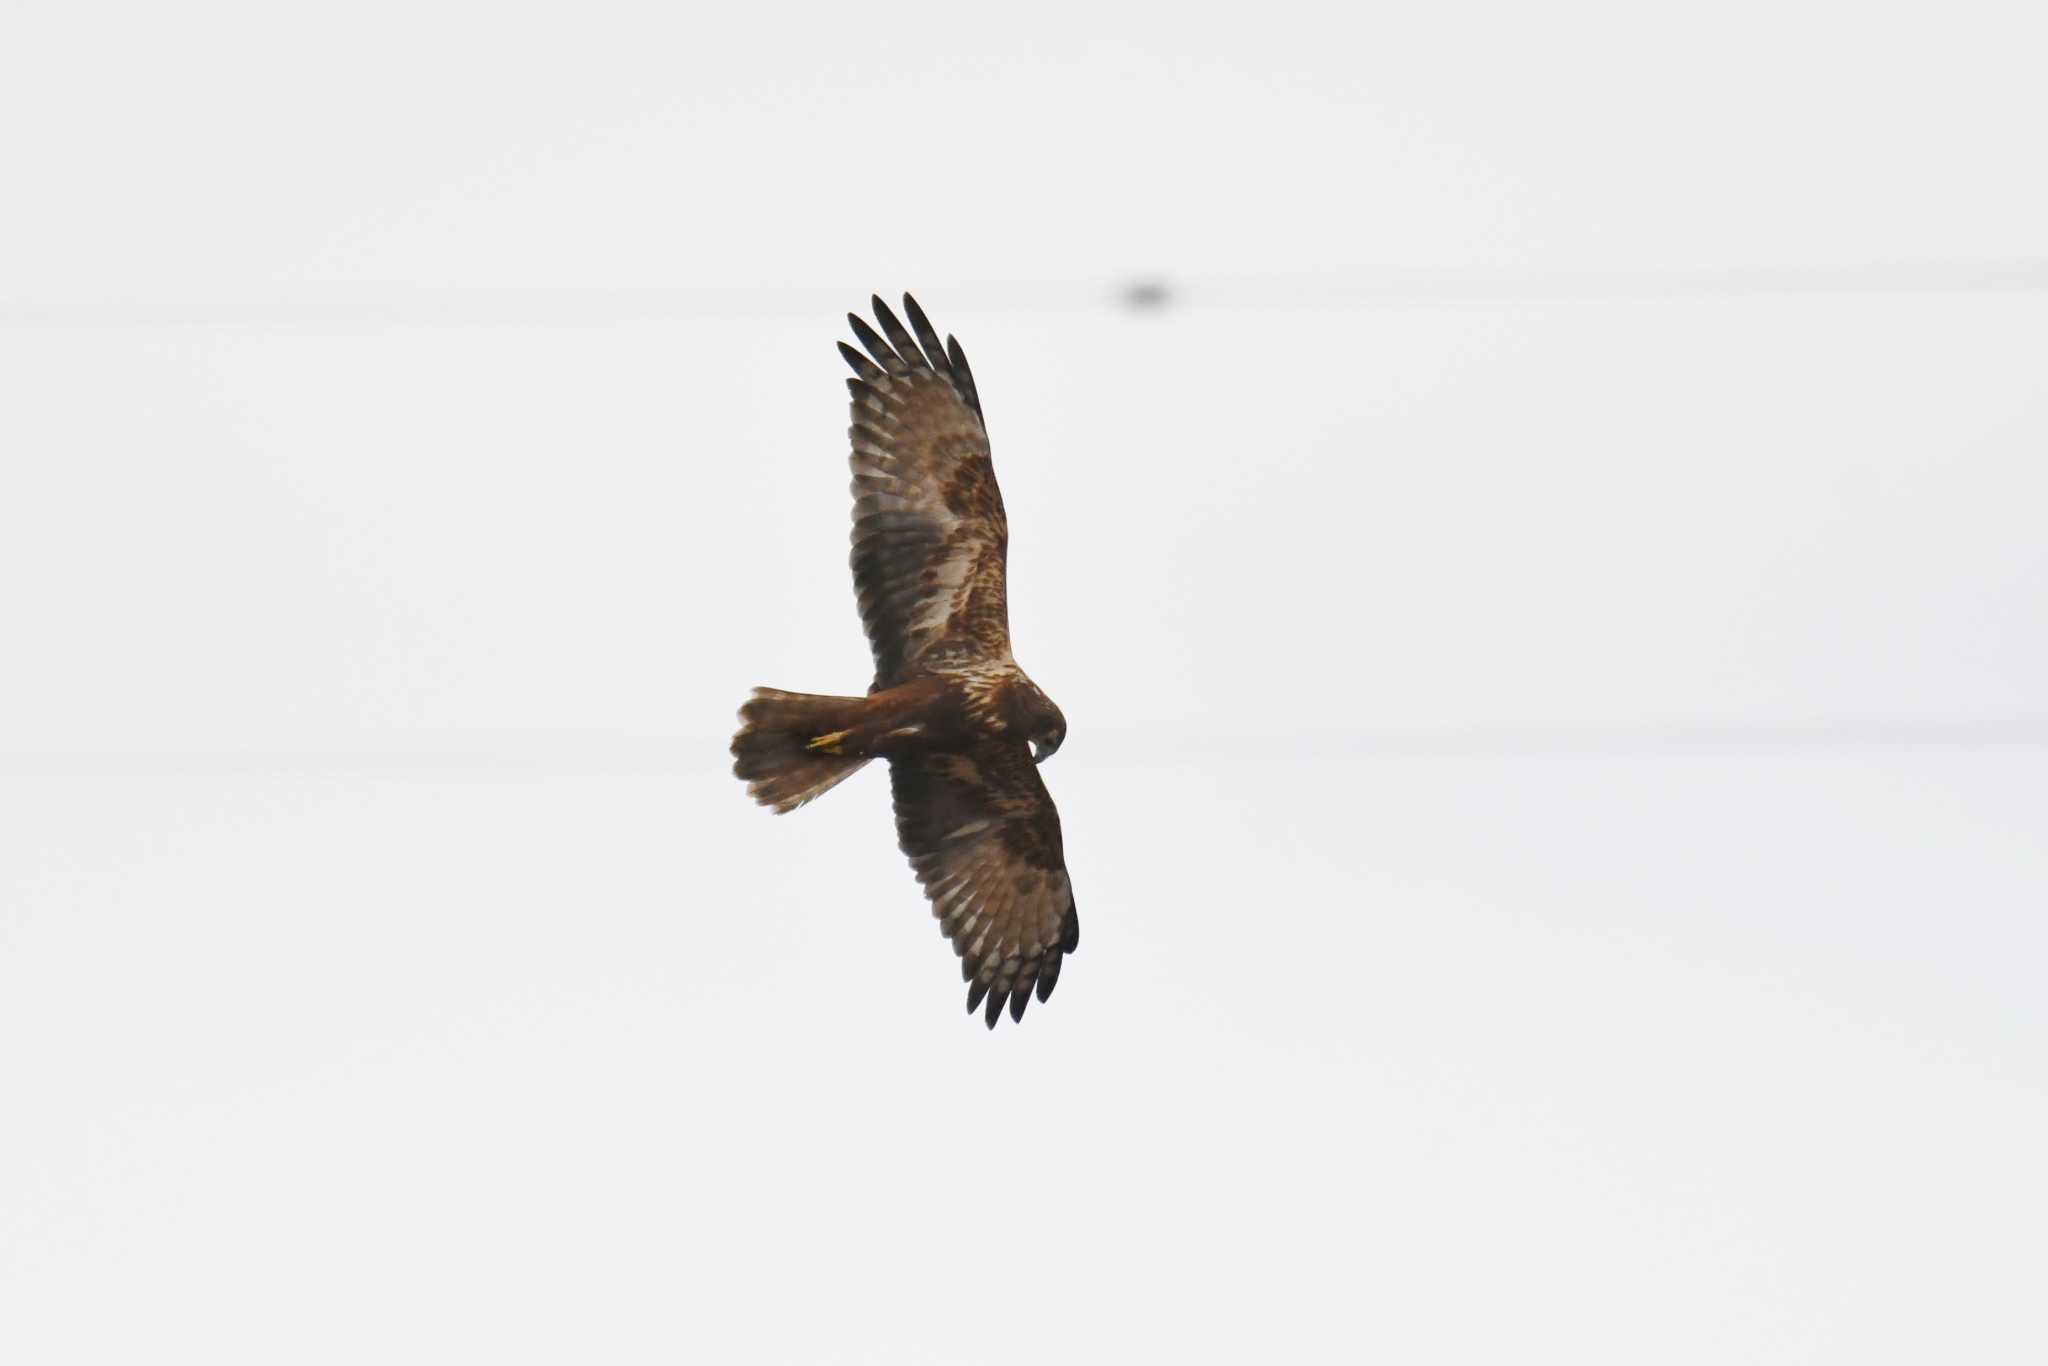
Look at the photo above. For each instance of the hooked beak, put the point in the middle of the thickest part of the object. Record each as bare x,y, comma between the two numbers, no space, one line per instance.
1041,752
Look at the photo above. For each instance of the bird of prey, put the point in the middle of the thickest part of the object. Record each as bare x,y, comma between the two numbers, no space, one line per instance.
961,725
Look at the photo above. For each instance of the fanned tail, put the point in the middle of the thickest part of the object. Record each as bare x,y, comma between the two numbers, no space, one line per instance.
775,751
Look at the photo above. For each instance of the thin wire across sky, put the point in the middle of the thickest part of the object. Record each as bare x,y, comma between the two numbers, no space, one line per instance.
1153,293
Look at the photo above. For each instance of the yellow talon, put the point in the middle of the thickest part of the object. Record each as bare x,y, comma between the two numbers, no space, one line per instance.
830,744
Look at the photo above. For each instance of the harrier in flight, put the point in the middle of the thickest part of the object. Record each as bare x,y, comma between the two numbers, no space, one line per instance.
962,727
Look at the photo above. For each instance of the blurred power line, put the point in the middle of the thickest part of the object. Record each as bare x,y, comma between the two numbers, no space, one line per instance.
55,310
671,755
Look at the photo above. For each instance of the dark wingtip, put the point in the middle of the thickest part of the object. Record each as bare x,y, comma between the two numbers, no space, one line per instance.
1070,931
1019,998
974,995
879,349
927,335
892,327
963,376
862,366
1048,978
995,1009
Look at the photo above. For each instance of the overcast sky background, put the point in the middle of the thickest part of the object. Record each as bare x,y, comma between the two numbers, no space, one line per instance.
1553,612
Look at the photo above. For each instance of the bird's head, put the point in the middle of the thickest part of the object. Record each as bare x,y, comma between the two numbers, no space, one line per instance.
1033,715
1046,742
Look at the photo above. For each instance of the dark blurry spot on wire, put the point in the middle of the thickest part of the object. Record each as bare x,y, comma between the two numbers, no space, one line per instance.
1147,296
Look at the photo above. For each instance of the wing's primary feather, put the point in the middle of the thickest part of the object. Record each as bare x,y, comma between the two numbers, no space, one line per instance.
884,354
963,376
984,839
862,366
927,335
899,339
930,538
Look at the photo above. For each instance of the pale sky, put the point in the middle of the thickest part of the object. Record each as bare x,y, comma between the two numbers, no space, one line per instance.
1550,616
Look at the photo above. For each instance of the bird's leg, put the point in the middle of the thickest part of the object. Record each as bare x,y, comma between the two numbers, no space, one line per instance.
835,743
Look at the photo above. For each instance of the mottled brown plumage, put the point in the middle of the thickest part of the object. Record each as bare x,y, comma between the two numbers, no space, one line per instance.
960,724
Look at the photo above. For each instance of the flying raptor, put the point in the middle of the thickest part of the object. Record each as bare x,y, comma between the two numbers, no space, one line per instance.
961,725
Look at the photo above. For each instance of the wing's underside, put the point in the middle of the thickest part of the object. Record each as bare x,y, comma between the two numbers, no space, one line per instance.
929,535
984,839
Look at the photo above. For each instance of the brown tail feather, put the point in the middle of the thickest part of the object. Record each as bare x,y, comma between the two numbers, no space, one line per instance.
771,751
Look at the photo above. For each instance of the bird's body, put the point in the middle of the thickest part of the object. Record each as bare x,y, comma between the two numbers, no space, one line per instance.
960,724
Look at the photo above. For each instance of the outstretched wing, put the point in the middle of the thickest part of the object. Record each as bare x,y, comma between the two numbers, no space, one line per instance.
929,536
984,838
